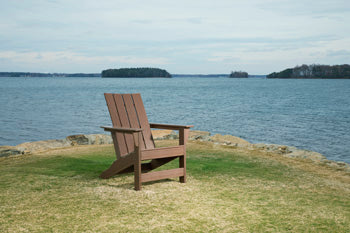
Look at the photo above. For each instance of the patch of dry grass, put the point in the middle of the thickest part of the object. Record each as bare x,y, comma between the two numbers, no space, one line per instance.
227,191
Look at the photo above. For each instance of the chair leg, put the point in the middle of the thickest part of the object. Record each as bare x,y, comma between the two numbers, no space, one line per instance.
137,176
137,163
182,164
183,136
118,166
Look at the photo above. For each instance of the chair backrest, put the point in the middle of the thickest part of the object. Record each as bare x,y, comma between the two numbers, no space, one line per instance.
127,110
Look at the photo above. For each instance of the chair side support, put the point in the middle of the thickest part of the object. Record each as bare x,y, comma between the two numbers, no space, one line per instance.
183,136
137,162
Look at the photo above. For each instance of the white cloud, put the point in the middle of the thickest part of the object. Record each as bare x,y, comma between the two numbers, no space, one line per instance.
48,61
93,34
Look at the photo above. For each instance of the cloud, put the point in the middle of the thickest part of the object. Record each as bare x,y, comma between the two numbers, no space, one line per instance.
339,53
306,7
182,35
47,60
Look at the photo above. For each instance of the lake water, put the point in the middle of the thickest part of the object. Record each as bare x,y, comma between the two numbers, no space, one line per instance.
309,114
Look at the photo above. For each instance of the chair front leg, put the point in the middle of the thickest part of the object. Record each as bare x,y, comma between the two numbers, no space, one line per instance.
183,136
137,162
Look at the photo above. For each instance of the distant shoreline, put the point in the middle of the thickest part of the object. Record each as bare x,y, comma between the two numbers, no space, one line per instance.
98,75
36,74
310,78
313,71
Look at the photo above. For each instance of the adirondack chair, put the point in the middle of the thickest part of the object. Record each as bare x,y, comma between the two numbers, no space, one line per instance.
133,142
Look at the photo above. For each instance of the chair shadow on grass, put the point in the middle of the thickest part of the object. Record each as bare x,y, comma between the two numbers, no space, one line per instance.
130,185
82,168
86,168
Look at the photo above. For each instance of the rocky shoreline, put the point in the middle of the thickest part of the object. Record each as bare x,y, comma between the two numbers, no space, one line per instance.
203,136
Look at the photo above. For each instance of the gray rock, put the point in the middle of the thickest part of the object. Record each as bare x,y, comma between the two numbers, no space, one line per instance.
199,135
337,165
275,148
30,147
202,138
89,139
229,140
306,154
259,146
39,146
293,152
290,151
99,139
9,151
79,139
172,135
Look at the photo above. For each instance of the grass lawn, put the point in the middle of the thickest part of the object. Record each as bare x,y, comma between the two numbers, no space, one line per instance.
227,190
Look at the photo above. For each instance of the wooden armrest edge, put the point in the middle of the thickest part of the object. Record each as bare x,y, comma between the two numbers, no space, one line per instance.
121,129
166,126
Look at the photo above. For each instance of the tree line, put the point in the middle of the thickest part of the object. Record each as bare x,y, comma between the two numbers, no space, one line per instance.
238,74
30,74
135,72
314,71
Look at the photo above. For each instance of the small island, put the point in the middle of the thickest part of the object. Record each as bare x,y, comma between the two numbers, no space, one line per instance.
238,74
314,72
135,73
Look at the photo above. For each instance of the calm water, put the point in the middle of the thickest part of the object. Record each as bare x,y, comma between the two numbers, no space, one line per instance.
309,114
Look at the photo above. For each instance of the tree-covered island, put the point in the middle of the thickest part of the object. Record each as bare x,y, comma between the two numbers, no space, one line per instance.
135,73
238,74
314,71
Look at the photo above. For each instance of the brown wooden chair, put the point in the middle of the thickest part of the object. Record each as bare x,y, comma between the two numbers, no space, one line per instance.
133,142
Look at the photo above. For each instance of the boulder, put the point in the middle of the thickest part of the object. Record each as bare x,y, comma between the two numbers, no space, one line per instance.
162,134
275,148
337,165
9,151
99,139
29,147
306,154
199,135
79,139
89,139
173,134
72,140
229,140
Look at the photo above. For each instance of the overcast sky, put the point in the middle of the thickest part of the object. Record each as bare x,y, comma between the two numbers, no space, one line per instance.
182,36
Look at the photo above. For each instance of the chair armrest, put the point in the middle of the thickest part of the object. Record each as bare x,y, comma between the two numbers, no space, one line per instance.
121,129
173,127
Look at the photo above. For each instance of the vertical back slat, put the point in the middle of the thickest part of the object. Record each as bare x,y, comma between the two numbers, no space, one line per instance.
142,116
120,148
133,119
124,121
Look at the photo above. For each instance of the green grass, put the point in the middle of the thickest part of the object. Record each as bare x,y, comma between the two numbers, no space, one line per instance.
227,191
